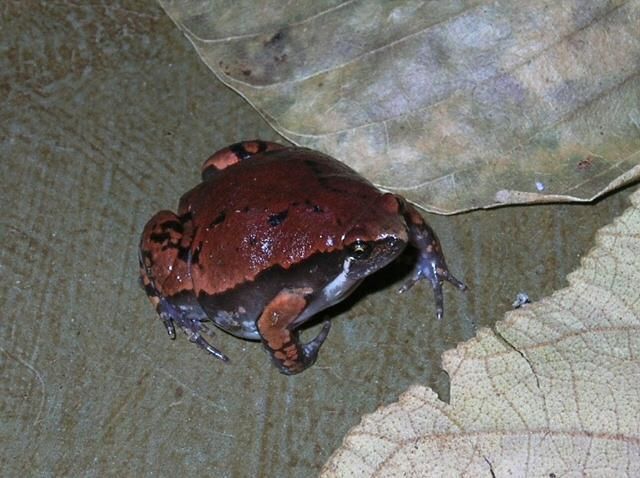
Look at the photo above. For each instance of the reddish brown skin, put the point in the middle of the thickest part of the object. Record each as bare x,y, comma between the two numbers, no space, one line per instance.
240,194
235,153
274,325
240,223
166,281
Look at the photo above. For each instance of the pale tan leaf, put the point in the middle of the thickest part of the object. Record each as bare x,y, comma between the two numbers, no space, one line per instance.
455,105
555,392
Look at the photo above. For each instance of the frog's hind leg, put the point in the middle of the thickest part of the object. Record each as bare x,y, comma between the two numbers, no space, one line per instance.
190,321
282,342
165,257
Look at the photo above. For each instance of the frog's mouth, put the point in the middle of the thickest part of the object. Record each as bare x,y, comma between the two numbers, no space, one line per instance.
353,272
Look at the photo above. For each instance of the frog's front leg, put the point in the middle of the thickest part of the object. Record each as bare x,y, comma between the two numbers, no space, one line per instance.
431,263
288,354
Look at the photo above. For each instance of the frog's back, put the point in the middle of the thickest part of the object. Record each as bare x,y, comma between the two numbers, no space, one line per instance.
276,209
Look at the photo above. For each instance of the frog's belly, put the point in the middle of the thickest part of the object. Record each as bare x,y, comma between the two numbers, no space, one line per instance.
241,321
237,322
237,310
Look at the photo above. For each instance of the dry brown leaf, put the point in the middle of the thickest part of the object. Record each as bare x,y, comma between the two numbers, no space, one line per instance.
555,393
455,105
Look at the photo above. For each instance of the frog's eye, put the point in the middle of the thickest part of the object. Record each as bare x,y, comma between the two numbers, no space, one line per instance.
359,249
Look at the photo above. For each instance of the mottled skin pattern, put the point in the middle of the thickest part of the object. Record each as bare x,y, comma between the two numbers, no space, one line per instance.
272,236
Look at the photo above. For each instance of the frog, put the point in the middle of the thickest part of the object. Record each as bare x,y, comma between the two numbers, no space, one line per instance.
272,236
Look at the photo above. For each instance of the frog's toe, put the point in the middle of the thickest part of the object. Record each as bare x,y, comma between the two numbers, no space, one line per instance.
194,328
200,341
456,282
410,282
168,324
310,349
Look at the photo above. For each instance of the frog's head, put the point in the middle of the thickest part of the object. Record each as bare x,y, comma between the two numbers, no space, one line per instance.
377,238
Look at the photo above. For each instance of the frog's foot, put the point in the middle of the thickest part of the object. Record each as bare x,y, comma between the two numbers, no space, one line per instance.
191,326
431,268
288,354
